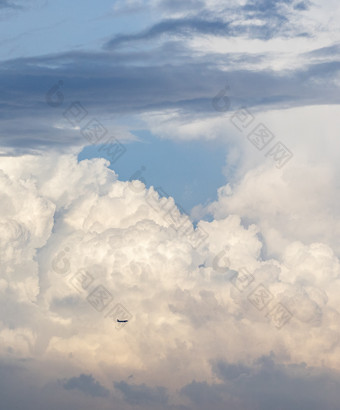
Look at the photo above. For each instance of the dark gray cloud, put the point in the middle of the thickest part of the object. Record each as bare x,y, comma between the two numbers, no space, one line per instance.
86,384
302,5
20,4
204,395
22,387
329,51
270,11
274,10
142,395
7,4
124,80
275,15
109,84
266,6
184,26
267,385
180,5
228,371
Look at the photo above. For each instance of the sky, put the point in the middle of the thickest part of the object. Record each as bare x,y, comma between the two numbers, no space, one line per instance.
173,164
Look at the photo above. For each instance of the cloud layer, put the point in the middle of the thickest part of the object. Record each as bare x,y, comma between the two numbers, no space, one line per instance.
177,62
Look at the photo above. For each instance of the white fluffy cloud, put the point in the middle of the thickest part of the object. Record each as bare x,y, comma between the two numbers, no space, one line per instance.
61,218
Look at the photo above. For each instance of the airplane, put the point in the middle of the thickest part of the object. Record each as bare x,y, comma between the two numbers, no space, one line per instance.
122,321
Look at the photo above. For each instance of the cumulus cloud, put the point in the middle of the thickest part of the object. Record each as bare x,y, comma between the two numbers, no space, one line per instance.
265,198
81,249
